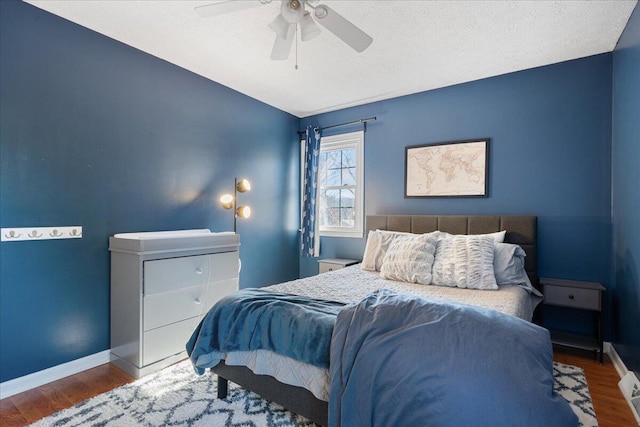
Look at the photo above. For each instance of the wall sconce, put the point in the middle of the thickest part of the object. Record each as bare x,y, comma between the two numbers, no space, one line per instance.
230,202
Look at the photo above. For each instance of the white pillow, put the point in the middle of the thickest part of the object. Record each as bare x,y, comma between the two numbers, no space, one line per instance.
498,236
370,251
465,262
378,242
409,259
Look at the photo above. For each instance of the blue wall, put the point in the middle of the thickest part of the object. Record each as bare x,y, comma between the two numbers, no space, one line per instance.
550,156
98,134
626,192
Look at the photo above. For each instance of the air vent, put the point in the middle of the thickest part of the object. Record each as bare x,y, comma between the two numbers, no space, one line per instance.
630,386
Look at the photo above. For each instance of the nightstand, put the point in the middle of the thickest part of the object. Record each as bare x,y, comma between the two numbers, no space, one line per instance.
331,264
582,296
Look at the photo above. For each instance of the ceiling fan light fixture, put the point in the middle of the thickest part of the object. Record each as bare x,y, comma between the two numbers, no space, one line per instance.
280,26
308,28
292,11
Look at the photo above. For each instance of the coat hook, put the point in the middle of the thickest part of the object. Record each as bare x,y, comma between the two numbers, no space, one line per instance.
34,234
12,235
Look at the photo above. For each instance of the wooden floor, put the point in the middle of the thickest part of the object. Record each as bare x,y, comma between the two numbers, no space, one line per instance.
25,408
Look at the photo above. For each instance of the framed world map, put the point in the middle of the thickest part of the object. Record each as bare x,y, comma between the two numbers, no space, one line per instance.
447,169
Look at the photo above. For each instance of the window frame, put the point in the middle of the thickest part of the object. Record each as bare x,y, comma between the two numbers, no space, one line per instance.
342,141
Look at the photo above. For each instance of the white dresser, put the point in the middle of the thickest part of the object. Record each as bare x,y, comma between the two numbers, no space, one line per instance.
162,284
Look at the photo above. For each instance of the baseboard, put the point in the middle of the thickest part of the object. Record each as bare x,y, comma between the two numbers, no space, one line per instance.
617,362
27,382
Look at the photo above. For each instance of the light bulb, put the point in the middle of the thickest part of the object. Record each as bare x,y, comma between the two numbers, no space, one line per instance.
227,201
243,211
243,185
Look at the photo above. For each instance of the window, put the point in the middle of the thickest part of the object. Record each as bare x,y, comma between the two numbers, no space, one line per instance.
340,185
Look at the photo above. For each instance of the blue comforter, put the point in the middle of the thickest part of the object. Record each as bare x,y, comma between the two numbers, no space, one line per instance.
398,360
252,319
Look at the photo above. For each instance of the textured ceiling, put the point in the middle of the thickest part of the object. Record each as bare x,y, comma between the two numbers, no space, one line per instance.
417,45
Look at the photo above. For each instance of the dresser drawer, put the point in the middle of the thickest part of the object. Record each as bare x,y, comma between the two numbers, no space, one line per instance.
572,297
167,341
169,307
176,273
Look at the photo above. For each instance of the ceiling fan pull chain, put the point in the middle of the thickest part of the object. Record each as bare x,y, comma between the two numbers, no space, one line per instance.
296,47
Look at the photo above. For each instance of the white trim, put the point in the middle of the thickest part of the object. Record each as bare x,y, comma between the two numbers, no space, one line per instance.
27,382
353,234
616,361
341,142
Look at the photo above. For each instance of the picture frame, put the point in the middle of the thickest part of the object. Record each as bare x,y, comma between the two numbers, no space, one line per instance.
447,169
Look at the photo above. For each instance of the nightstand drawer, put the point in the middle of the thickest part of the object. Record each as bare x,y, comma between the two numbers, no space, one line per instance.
325,265
588,299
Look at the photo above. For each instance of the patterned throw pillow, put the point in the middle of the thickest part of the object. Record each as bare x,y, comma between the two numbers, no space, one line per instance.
409,259
465,262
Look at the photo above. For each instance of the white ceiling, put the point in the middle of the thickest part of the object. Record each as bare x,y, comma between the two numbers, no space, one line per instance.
417,45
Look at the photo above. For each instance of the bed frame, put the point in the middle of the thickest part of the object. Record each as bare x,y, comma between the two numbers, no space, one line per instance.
521,230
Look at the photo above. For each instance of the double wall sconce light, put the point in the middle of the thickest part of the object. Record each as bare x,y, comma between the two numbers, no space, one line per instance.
229,201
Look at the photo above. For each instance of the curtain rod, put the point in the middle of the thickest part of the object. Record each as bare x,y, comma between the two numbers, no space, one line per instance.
363,121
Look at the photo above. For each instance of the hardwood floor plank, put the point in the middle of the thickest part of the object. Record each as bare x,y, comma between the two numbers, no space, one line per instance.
32,404
10,416
104,378
58,400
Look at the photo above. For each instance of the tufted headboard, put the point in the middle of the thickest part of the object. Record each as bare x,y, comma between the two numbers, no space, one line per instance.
521,230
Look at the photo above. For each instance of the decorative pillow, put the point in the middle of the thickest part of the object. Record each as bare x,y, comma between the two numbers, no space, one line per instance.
370,251
508,266
498,236
409,259
465,262
378,242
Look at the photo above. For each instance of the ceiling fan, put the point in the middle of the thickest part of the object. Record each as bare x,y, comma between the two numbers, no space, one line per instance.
292,14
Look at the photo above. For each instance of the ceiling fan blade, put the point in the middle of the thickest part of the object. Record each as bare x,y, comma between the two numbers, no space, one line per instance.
222,7
281,47
342,28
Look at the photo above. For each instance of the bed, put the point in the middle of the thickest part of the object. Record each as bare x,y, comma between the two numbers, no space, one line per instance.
303,388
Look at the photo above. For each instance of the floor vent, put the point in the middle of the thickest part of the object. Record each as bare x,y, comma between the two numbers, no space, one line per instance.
630,386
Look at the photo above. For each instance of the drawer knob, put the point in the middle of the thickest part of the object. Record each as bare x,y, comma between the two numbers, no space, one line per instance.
571,296
198,301
199,270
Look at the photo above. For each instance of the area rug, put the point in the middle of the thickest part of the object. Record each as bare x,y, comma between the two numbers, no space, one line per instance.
175,396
